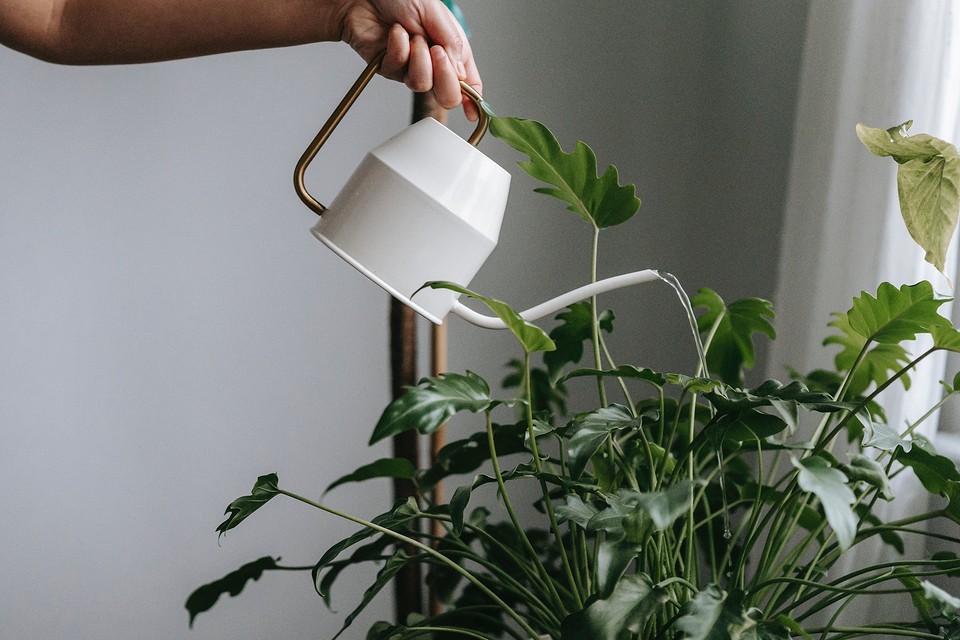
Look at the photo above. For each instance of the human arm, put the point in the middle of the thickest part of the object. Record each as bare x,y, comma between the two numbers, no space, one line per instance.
425,45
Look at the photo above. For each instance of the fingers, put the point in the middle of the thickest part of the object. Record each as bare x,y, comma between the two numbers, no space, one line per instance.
432,54
394,65
443,29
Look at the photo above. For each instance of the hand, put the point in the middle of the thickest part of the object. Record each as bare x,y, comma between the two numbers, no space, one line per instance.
425,46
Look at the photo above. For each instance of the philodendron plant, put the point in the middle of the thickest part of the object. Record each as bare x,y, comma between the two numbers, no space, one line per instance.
680,505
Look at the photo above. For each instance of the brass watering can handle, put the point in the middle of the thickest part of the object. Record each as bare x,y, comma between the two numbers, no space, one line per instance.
342,109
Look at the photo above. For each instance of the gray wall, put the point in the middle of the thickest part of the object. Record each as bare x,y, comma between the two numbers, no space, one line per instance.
169,330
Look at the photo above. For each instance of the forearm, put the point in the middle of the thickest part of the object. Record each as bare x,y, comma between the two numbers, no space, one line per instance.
129,31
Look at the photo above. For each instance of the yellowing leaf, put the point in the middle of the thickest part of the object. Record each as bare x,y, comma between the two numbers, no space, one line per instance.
928,184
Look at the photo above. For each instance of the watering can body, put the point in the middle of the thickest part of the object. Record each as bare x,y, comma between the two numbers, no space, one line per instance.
425,205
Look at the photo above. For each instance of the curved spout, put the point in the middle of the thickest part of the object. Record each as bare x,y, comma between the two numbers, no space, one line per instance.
560,302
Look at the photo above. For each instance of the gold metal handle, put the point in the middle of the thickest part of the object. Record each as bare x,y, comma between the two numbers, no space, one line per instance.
342,109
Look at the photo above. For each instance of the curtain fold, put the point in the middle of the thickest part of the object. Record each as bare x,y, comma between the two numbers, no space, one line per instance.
880,62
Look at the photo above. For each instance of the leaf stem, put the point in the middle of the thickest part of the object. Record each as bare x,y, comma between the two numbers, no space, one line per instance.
520,620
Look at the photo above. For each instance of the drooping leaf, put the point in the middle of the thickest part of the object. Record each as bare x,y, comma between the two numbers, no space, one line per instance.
390,568
731,349
531,337
237,511
928,180
785,399
830,486
382,468
623,371
431,403
619,616
203,598
458,504
370,552
575,328
599,200
862,468
402,512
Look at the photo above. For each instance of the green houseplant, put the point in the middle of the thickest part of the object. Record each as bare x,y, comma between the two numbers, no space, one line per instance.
681,505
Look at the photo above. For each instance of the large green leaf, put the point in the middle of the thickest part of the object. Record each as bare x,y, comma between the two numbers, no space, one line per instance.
619,616
830,486
928,179
895,315
431,403
531,337
573,177
237,511
934,471
731,350
891,317
203,598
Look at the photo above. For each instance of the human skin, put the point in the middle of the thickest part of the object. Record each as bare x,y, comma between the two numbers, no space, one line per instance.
424,45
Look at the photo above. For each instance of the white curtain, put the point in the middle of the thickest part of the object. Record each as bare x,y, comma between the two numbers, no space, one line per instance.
880,62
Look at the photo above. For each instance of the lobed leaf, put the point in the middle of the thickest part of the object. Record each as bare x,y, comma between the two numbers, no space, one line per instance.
237,511
575,328
573,177
204,597
895,315
731,349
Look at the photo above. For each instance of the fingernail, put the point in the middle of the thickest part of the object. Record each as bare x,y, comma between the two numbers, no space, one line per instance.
461,70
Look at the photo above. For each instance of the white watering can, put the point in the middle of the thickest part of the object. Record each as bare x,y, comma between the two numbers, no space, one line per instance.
425,205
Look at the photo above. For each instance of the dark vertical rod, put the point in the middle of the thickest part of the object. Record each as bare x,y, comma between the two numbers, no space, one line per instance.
408,584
